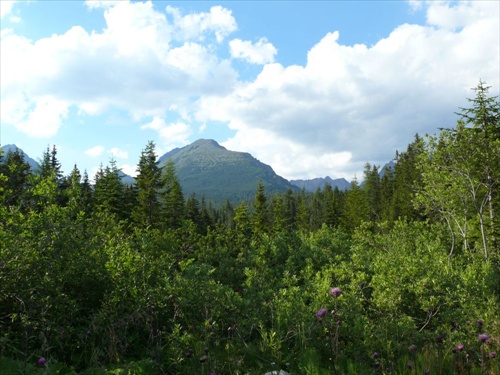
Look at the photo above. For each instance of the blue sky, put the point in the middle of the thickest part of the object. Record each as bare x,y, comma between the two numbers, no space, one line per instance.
310,88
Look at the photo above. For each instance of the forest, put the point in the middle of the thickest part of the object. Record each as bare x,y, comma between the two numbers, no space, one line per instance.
400,274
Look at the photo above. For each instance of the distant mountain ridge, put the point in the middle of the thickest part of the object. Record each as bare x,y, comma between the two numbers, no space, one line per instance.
319,183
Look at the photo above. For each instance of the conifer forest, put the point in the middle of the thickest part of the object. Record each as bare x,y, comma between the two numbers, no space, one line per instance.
400,274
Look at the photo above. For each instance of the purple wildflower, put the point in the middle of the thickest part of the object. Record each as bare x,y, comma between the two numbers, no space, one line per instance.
483,337
376,364
480,322
41,361
203,358
375,354
335,292
460,347
493,354
427,372
409,365
321,313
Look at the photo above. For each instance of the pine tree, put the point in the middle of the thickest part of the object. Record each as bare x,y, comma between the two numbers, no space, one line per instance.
17,171
301,218
260,218
387,195
147,210
355,209
371,192
407,181
171,197
278,213
109,190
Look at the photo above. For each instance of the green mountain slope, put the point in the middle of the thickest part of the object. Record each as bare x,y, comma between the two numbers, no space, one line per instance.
208,169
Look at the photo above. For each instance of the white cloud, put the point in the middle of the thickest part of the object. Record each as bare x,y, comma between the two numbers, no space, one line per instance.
96,4
44,117
115,152
172,134
6,8
138,51
354,104
95,151
290,158
196,26
131,170
416,4
261,52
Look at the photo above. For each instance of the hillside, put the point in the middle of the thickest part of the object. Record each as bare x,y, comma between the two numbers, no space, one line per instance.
208,169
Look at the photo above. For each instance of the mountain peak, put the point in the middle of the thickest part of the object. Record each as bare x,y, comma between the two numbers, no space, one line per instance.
12,148
206,168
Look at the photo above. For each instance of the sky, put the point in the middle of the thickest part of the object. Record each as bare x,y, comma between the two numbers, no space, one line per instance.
311,88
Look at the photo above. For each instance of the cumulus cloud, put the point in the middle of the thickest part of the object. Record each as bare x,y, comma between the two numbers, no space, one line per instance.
354,104
44,117
139,51
128,169
282,154
261,52
95,151
197,26
171,134
6,11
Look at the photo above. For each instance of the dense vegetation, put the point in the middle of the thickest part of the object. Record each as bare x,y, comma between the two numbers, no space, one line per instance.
400,274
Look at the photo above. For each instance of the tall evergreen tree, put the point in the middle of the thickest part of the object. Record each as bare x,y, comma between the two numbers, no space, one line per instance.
147,210
109,190
171,197
278,213
260,218
371,192
407,181
17,171
355,209
387,195
301,218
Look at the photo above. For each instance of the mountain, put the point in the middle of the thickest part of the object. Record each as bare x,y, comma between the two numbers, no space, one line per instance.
315,183
210,170
389,165
126,179
12,148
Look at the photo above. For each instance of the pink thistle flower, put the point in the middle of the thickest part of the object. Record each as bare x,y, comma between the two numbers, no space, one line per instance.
483,337
321,313
335,292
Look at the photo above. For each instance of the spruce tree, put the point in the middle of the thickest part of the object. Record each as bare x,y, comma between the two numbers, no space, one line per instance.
147,210
171,197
